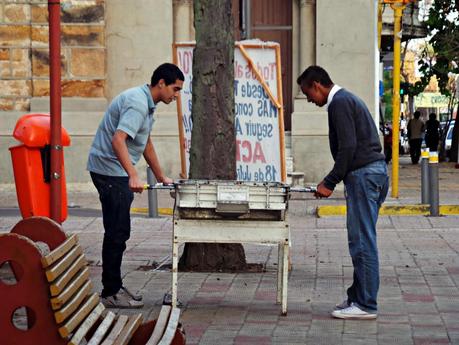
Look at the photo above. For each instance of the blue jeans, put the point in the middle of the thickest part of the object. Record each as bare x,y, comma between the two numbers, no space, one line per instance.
116,199
366,190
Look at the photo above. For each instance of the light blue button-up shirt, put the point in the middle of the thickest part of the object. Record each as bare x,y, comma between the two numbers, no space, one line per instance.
131,112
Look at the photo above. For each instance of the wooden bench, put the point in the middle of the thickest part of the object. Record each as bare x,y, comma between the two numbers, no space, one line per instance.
54,287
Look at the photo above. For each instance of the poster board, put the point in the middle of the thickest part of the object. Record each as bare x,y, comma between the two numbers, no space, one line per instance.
259,118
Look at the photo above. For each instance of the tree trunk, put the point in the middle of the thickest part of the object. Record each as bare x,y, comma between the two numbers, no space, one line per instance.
213,140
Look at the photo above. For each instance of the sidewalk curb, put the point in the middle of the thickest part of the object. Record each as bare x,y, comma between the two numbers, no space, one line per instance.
390,210
165,211
340,210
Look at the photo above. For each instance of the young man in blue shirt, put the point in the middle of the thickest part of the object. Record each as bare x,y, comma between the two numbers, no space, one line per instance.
122,138
359,163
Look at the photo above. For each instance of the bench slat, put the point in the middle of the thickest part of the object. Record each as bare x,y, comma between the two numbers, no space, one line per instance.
60,266
76,319
57,253
61,282
129,330
62,314
116,330
58,301
160,325
87,324
102,329
171,327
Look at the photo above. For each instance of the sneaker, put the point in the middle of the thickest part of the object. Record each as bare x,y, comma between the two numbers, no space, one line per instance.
121,300
167,300
343,305
135,297
353,312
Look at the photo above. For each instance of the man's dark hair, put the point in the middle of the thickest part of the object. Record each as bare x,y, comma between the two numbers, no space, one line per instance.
167,71
417,114
314,74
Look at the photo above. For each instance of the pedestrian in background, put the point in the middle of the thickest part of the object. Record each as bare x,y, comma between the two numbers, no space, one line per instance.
359,163
122,137
415,132
432,136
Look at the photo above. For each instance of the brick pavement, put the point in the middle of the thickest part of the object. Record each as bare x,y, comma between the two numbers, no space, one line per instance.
419,258
418,300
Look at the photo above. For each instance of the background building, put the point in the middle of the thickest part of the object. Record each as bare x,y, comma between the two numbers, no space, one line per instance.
108,46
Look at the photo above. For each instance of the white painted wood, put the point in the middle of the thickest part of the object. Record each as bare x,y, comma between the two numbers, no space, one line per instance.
87,324
160,325
116,330
79,315
129,329
280,256
229,231
171,327
74,303
102,329
58,252
61,265
285,278
234,231
71,288
57,286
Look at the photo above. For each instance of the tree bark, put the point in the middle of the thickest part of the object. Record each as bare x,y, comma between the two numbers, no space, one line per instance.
213,139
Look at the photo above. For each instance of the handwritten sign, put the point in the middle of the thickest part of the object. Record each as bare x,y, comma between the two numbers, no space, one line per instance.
258,110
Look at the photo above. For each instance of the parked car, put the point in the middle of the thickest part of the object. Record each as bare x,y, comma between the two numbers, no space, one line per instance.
449,137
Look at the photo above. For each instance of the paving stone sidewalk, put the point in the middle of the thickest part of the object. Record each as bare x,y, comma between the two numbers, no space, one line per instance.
419,265
418,299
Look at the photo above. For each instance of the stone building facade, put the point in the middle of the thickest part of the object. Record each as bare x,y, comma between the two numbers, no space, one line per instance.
24,52
108,46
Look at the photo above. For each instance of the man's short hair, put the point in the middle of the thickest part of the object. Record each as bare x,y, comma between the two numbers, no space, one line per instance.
314,74
167,71
417,114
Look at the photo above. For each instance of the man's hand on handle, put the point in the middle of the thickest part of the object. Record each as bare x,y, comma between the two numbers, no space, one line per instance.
135,184
322,191
167,180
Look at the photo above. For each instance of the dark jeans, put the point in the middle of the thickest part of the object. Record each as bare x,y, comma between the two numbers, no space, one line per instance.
432,143
116,199
366,190
415,150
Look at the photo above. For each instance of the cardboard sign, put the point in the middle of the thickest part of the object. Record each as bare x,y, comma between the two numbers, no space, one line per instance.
259,123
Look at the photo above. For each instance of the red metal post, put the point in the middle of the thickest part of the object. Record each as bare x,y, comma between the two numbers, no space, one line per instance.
54,10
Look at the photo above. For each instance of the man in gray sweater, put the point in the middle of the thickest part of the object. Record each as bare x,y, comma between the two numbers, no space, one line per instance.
359,163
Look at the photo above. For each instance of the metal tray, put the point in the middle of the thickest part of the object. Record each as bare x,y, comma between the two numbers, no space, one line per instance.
245,200
212,194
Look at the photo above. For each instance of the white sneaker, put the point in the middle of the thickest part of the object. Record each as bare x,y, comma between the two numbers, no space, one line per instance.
342,305
121,300
353,312
134,296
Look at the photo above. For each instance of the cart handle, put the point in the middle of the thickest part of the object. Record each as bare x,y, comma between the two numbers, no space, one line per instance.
159,186
308,189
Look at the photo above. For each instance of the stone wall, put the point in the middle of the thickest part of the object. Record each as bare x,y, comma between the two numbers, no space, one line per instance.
24,53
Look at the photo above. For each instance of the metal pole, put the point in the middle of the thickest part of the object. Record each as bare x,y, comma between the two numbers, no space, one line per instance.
425,176
152,195
433,184
247,19
398,12
54,10
380,10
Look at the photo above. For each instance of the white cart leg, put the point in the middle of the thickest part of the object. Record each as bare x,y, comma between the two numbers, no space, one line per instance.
280,258
285,277
174,272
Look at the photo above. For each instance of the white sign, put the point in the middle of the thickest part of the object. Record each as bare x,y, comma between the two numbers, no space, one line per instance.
258,110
